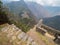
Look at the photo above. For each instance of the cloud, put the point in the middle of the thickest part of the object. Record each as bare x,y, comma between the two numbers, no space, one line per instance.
44,2
10,0
47,2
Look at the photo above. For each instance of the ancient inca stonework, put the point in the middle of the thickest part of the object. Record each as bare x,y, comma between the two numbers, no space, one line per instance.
18,37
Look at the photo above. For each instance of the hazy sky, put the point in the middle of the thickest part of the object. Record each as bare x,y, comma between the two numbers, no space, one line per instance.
44,2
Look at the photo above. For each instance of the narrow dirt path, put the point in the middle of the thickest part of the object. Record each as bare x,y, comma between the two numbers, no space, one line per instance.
34,35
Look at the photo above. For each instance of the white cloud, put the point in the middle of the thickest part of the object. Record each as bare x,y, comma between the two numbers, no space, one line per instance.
47,2
10,0
44,2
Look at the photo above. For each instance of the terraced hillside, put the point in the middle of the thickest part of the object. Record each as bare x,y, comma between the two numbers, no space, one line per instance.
11,35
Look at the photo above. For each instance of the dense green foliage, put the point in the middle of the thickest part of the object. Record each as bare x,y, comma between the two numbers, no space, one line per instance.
24,24
3,14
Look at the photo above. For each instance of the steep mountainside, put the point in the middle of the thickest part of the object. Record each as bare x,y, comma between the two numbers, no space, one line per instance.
20,15
53,22
18,8
35,10
38,10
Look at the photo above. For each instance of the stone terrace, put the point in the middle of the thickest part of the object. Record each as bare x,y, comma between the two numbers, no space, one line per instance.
18,37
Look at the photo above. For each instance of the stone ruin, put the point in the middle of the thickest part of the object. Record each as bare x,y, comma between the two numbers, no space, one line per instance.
18,37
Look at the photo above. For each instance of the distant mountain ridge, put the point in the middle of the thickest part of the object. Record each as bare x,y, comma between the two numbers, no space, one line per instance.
53,22
19,7
54,10
36,10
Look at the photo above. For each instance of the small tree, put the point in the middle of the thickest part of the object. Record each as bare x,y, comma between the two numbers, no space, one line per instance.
3,15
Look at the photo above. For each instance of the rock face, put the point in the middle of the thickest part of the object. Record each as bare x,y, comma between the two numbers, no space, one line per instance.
18,37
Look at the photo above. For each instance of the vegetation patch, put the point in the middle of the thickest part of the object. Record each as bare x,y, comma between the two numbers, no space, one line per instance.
45,39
